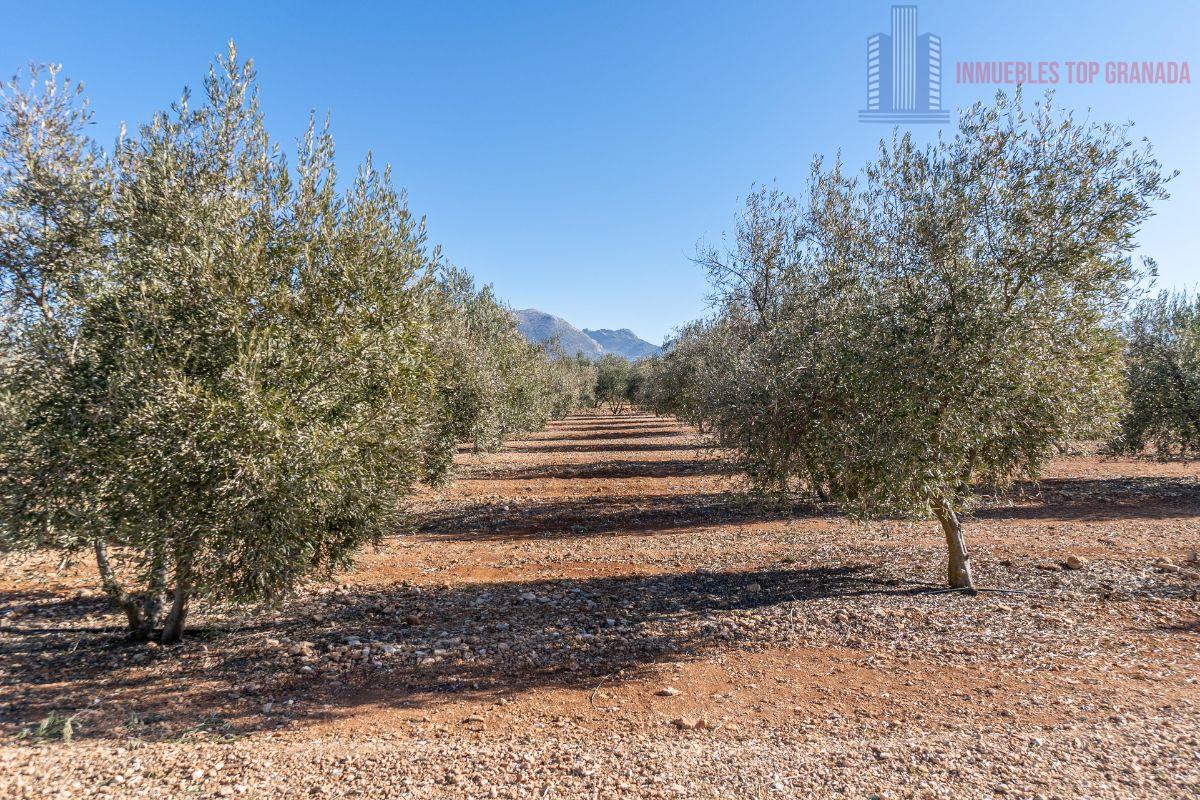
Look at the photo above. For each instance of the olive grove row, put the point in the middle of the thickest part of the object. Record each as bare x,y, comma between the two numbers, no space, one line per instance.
222,372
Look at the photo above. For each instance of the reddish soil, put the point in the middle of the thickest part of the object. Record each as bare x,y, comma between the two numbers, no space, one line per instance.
584,569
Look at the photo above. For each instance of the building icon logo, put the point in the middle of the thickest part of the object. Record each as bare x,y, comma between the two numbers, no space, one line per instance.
904,73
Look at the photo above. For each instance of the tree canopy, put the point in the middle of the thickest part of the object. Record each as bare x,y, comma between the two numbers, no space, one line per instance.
947,316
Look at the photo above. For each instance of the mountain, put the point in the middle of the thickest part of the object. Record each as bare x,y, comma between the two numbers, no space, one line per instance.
538,326
623,342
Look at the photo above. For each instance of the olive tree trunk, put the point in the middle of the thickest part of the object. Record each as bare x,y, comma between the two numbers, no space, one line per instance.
143,612
152,604
173,627
139,626
958,565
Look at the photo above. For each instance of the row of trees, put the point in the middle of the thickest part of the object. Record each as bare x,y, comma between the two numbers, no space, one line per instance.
1163,377
1160,410
946,317
620,382
222,372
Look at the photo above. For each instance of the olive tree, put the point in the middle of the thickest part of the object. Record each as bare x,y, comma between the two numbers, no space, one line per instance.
947,316
577,377
217,367
1163,376
570,381
637,388
612,381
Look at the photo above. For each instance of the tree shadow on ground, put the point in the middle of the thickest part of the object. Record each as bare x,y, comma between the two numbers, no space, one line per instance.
1182,627
1096,499
601,515
616,447
19,609
665,468
614,434
471,640
618,424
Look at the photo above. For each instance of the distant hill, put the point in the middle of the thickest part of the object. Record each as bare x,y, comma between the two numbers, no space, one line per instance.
623,342
538,326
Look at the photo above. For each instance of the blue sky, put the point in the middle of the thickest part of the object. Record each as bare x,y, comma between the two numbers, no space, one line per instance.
574,153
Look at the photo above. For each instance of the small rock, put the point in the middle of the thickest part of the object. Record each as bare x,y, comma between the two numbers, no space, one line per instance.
1075,562
686,723
754,587
667,691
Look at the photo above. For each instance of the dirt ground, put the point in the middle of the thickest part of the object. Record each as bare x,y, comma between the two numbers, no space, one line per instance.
596,611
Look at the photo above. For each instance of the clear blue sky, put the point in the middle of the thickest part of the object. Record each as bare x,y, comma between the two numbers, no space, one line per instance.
574,153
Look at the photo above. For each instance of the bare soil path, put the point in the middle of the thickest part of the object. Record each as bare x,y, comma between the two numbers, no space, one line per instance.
595,611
